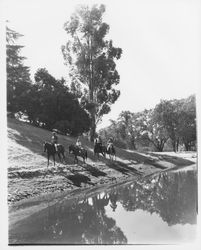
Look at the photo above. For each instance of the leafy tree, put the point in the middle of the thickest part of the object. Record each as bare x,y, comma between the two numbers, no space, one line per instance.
56,106
18,76
167,113
153,130
187,122
179,119
91,61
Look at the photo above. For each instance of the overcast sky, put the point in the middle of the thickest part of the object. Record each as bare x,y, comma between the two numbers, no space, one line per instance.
160,41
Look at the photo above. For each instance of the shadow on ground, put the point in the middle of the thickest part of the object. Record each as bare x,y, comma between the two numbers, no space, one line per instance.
77,179
123,168
174,159
138,158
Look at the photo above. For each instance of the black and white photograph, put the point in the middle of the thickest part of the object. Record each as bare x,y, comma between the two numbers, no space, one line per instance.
101,122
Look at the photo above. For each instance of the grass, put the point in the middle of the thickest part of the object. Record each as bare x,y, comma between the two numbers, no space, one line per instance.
27,164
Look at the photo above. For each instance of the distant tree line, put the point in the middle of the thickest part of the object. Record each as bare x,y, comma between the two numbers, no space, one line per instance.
46,102
171,125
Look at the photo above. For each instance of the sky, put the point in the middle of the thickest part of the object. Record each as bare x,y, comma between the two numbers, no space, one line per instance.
160,40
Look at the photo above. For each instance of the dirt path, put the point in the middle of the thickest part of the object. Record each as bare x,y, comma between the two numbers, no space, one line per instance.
28,175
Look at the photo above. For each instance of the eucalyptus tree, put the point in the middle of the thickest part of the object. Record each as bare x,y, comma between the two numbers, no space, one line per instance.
91,61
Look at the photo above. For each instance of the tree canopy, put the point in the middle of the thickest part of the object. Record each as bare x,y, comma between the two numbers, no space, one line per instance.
91,61
56,106
47,102
171,121
18,76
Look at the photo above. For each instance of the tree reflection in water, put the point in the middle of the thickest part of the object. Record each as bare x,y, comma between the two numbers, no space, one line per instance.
173,196
83,223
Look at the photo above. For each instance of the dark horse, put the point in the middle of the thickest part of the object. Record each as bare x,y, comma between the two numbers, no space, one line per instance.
50,149
99,149
78,152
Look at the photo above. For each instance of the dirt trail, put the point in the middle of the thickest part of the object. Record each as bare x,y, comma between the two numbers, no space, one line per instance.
28,175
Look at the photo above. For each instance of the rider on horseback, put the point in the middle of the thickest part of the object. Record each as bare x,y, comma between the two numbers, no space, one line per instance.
54,140
98,141
110,143
78,144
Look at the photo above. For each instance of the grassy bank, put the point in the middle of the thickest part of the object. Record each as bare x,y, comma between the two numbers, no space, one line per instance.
28,175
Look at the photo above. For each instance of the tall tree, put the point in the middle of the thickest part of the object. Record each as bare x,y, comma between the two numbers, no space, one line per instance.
18,76
91,61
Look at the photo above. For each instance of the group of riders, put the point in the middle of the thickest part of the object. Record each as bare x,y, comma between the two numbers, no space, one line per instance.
97,141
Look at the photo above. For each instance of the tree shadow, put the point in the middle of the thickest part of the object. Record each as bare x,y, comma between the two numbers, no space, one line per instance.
178,161
123,168
32,138
136,158
146,159
78,179
93,171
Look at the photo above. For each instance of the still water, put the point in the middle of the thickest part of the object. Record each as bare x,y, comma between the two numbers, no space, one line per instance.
155,210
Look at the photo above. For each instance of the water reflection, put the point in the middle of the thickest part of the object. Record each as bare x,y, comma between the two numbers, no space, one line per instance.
173,196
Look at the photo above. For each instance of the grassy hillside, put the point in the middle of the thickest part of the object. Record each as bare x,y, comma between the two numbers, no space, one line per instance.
27,164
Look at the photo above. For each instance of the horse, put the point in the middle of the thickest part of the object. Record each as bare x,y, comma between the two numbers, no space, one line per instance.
111,152
78,152
51,151
99,149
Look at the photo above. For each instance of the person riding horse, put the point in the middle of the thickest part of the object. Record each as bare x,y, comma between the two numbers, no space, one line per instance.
54,140
98,141
78,144
98,146
78,150
110,143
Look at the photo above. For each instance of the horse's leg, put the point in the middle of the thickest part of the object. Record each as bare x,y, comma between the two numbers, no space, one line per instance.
110,156
53,159
59,156
48,157
63,155
76,159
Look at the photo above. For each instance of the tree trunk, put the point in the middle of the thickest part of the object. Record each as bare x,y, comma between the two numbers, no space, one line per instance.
92,132
186,146
133,145
177,145
91,93
174,146
160,148
93,127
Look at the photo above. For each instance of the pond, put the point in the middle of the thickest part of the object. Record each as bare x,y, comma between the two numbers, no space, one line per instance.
160,209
